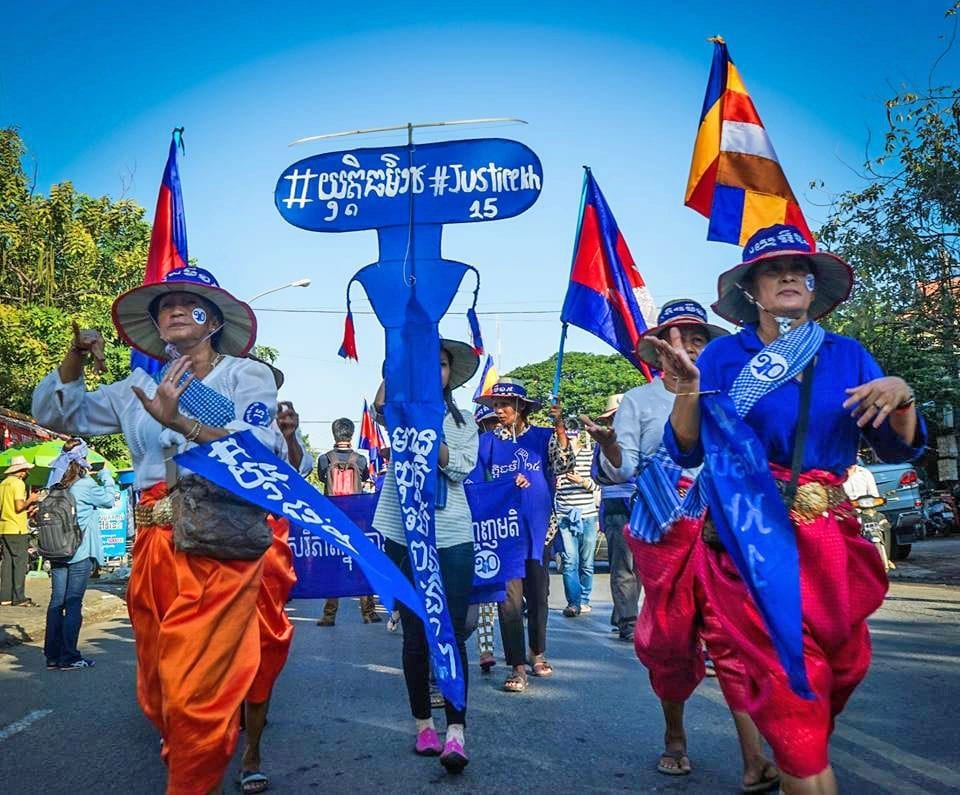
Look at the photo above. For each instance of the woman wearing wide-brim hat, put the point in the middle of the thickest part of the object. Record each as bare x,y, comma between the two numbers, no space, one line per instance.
190,613
780,360
454,539
533,457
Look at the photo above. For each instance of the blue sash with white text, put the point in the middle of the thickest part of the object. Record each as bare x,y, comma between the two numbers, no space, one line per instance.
745,505
244,467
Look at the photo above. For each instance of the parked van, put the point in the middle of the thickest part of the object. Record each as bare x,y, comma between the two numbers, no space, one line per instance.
899,484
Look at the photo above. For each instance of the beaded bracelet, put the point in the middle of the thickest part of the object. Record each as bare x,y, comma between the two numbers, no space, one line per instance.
194,432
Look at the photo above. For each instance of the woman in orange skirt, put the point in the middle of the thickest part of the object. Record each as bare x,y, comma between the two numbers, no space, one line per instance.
194,617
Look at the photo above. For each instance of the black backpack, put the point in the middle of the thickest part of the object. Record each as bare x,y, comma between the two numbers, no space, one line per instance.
59,533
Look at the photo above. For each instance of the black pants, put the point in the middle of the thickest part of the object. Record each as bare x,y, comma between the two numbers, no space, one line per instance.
535,588
13,570
456,570
624,585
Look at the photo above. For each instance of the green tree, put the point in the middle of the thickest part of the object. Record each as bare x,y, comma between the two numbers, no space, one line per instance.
63,257
586,380
901,233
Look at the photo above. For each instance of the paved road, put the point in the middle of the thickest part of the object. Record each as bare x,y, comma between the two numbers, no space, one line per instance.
339,719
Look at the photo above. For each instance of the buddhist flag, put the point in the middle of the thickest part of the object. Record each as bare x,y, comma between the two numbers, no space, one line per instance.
735,178
487,379
168,241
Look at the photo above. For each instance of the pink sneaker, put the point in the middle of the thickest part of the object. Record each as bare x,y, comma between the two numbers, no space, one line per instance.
454,758
428,743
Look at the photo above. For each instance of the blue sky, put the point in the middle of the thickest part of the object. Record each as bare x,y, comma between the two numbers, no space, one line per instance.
96,87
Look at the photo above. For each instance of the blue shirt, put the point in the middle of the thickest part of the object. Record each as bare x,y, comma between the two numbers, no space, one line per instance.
89,496
832,434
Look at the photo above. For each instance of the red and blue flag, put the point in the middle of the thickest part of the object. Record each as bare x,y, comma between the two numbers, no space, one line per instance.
371,440
168,241
607,295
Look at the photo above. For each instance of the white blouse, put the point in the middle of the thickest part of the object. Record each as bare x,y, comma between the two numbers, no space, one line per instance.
114,408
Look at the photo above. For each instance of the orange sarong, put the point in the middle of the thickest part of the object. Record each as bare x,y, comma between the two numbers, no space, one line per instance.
276,630
198,650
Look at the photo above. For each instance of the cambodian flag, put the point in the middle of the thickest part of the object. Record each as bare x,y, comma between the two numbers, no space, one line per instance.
607,295
168,242
371,440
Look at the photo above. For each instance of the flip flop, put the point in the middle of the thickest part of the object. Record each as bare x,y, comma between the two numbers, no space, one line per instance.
766,783
253,781
678,769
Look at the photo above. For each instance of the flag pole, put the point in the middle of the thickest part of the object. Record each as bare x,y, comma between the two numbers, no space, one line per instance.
555,395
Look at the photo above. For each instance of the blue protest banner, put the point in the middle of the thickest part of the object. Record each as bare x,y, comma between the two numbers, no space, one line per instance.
499,543
325,571
438,183
243,466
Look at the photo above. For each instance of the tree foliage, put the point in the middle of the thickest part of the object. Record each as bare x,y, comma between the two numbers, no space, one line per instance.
63,257
586,380
901,233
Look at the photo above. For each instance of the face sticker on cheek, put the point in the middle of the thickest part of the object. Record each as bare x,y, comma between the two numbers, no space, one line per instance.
810,281
199,316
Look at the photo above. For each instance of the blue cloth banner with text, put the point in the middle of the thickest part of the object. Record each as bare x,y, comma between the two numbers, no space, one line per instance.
325,571
243,466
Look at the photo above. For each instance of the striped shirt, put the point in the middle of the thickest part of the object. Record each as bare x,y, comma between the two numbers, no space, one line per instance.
580,495
454,523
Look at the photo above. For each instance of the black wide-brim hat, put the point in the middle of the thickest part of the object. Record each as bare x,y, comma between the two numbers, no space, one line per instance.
834,277
137,326
464,361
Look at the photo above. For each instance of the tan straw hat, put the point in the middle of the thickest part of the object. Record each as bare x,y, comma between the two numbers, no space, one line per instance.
613,403
18,464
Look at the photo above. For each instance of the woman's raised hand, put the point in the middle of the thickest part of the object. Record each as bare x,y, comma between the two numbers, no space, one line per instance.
604,435
89,342
675,362
164,406
876,399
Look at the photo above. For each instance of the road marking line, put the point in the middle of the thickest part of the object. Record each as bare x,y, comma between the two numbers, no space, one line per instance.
893,754
888,782
24,723
917,764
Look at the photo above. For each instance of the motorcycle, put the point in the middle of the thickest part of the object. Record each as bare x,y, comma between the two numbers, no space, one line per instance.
874,525
938,517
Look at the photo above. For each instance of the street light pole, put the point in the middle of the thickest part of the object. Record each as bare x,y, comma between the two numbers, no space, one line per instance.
297,283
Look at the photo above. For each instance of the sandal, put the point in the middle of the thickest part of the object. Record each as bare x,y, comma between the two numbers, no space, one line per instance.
252,781
767,781
515,683
487,661
542,668
671,763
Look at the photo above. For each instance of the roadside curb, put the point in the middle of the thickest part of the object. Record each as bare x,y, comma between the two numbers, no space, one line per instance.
28,625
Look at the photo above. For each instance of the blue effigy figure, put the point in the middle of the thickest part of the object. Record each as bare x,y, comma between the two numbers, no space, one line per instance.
407,194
